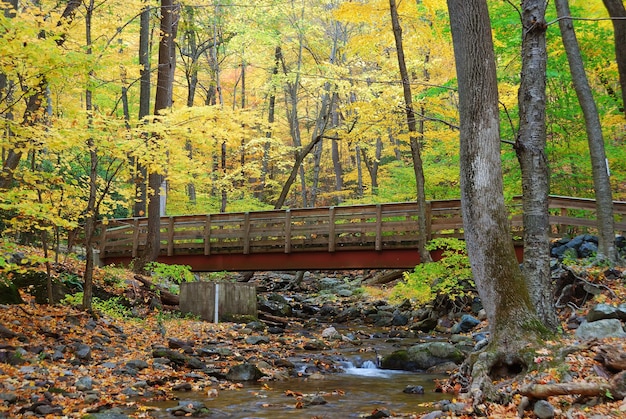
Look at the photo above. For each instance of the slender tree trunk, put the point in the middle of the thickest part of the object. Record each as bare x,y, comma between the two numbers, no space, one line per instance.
599,162
373,164
418,166
396,146
294,123
336,155
243,84
214,57
271,116
141,174
317,166
359,172
299,158
163,100
617,11
530,148
502,289
91,210
144,62
224,192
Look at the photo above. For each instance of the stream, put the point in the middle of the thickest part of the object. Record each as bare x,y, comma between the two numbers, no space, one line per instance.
356,392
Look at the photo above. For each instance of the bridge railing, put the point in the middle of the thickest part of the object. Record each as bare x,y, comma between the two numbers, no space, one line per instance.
331,229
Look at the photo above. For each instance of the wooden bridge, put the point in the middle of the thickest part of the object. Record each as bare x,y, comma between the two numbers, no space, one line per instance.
342,237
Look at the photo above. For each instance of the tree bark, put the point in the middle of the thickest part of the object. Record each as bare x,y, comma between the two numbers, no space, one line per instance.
543,391
141,174
271,117
336,155
530,148
91,211
163,100
599,162
498,278
617,11
418,166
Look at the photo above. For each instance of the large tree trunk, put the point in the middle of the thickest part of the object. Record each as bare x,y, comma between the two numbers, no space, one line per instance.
617,11
498,278
530,148
599,162
415,144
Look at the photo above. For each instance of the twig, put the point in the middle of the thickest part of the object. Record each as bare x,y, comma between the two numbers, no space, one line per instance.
578,277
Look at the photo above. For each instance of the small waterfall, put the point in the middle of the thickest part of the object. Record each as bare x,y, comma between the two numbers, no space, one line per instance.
369,365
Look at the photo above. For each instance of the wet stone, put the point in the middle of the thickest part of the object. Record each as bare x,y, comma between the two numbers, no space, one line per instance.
413,390
182,387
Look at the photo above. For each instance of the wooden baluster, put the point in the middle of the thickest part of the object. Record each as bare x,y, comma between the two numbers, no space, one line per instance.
246,233
379,227
207,235
331,229
429,221
170,237
287,231
103,239
562,228
135,237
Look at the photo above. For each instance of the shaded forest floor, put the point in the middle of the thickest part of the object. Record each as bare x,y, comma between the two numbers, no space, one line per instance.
57,360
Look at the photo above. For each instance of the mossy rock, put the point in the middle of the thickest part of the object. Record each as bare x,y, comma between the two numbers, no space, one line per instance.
427,355
9,293
398,360
36,284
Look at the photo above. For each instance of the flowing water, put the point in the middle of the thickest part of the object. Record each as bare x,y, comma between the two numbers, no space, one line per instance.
356,392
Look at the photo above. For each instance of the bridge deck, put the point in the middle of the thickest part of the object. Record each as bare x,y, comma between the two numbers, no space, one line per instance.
360,236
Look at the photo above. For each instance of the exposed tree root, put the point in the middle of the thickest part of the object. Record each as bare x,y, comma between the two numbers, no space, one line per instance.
543,391
492,365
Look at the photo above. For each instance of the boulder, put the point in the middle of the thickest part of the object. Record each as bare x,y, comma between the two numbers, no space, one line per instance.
603,311
588,249
244,372
423,356
600,329
466,324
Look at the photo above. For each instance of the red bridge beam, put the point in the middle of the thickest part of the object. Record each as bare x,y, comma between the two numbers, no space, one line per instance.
351,259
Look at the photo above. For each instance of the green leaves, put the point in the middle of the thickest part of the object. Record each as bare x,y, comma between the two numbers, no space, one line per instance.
450,277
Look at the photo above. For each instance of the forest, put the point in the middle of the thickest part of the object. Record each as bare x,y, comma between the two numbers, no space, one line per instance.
288,103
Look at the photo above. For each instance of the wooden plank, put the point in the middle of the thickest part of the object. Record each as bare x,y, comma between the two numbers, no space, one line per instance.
287,231
331,229
170,237
207,235
246,234
379,228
